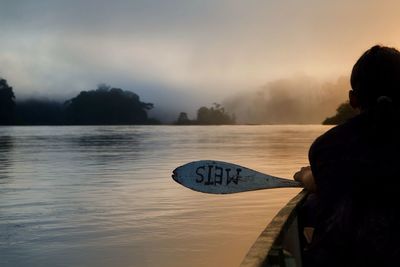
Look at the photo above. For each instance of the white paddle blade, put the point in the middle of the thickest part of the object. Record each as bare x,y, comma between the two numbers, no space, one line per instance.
218,177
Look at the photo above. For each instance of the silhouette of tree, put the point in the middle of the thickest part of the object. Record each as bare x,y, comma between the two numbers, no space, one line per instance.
204,115
207,116
39,112
7,103
214,115
106,105
183,119
343,113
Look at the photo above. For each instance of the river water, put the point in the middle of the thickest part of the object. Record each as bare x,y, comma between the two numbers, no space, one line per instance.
103,195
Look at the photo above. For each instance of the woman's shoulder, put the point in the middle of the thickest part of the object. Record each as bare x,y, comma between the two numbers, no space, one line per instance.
343,138
346,131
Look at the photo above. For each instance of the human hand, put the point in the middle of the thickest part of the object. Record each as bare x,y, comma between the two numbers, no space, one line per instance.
306,177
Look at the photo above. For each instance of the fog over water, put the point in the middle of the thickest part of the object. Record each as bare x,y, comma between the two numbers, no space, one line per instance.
184,54
298,100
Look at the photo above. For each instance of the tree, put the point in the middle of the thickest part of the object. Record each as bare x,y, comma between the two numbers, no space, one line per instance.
7,103
107,105
343,113
214,115
39,112
183,119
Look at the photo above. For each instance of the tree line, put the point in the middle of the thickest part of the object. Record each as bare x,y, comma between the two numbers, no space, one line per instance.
102,106
214,115
111,106
343,113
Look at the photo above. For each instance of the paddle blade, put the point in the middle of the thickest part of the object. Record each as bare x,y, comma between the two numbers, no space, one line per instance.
218,177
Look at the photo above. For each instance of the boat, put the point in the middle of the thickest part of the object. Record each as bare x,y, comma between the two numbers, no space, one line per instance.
280,243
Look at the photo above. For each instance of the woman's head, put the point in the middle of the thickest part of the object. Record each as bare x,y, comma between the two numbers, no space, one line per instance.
376,77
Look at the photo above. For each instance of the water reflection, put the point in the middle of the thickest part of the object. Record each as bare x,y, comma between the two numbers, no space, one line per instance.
103,196
107,140
6,147
109,150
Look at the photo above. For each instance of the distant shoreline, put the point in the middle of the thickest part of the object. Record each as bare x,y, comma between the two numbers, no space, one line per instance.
169,124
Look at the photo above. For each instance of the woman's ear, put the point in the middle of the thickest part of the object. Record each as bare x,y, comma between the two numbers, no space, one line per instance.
354,102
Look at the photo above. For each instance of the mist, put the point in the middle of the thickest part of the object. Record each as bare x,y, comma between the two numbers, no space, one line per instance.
298,99
181,55
168,102
194,51
295,100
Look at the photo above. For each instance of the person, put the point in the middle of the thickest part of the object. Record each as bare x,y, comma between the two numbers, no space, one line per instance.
353,177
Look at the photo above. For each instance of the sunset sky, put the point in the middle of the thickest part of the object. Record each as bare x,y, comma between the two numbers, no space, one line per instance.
191,51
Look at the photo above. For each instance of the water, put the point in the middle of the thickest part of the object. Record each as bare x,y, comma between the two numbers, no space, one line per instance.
103,196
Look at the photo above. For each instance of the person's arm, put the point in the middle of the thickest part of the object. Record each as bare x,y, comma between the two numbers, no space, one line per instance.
305,176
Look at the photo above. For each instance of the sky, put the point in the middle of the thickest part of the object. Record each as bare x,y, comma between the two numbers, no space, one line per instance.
184,54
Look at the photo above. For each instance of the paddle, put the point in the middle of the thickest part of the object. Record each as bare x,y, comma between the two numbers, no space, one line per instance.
218,177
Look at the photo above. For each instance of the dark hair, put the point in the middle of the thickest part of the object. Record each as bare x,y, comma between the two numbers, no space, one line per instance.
375,81
376,77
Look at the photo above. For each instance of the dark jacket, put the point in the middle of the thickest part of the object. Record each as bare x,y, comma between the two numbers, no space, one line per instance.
356,169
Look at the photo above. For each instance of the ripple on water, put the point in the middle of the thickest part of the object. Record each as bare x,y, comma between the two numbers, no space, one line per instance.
103,196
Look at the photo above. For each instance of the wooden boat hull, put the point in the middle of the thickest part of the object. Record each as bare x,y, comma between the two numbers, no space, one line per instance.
279,244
